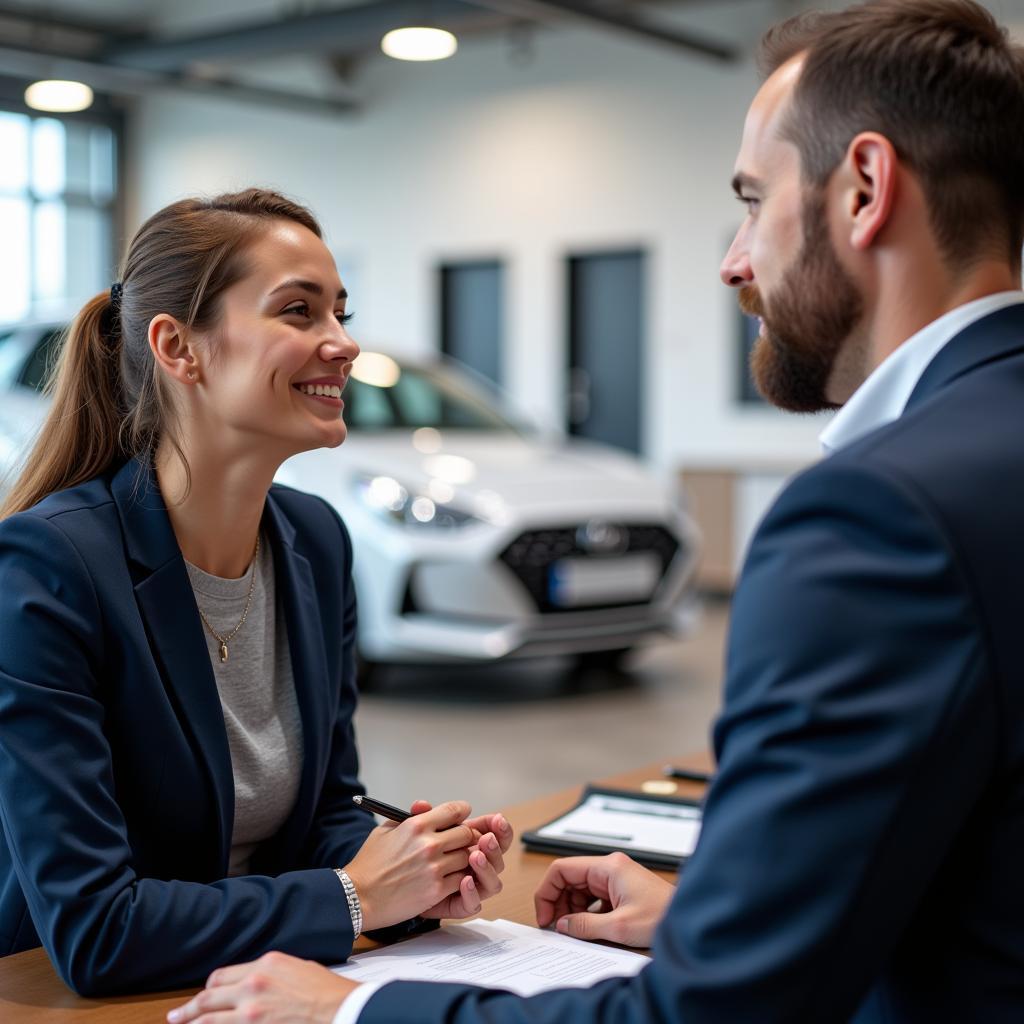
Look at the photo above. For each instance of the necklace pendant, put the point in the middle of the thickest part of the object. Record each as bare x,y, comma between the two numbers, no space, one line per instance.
223,652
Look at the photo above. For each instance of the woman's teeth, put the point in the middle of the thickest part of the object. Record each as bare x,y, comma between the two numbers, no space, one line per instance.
326,390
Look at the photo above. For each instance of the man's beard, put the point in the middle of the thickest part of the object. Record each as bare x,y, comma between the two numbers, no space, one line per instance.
805,321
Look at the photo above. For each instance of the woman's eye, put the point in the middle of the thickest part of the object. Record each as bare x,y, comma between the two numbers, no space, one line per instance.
344,318
300,309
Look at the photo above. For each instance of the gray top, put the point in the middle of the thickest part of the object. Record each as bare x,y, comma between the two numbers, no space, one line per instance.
257,695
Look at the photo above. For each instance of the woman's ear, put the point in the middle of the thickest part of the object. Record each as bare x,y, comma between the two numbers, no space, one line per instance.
168,341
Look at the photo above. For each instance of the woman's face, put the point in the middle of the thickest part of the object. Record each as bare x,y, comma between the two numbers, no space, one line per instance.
281,339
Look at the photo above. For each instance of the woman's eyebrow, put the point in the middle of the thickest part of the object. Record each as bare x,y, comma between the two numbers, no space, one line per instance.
308,286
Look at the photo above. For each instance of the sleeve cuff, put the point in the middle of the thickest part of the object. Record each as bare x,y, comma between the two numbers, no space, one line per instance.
349,1011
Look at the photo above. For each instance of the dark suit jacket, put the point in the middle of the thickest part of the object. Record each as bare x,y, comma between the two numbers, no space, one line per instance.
116,792
863,846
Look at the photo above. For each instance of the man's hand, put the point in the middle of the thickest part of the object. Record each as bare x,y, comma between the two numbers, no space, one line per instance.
276,989
631,900
486,863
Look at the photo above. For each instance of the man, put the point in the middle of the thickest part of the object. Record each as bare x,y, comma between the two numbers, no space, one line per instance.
863,841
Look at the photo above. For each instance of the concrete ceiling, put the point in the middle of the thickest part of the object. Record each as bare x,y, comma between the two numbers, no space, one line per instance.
248,48
128,46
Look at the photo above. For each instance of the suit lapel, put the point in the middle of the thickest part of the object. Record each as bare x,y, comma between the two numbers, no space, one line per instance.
993,337
168,609
294,582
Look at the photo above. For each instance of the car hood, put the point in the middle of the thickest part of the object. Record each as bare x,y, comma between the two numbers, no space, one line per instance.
524,471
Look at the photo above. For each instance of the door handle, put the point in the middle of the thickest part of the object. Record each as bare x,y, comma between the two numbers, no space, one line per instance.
579,396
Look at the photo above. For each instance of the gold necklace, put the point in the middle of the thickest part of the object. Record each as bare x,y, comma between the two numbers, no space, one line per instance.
223,640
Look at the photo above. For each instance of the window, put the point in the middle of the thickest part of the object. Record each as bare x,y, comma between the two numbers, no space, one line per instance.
420,397
58,182
748,328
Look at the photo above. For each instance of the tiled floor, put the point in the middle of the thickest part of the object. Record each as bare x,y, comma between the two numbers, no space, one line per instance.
509,733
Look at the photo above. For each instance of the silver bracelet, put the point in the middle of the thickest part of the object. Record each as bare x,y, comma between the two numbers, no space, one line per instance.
355,908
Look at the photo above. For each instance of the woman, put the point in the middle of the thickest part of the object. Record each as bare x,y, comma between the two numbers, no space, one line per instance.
177,760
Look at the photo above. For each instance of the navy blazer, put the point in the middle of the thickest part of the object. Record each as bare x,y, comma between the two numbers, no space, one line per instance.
862,855
116,789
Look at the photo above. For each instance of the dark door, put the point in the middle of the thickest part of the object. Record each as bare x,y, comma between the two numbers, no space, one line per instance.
606,299
471,315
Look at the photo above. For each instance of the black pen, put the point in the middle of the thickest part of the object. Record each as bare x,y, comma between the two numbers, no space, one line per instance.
689,774
381,808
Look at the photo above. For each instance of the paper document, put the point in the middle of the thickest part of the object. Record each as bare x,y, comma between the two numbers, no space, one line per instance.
495,954
626,824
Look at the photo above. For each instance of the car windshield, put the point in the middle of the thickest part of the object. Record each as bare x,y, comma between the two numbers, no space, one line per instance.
10,358
384,395
26,357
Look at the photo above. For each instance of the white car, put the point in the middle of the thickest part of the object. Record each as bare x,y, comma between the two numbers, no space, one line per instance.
25,355
476,538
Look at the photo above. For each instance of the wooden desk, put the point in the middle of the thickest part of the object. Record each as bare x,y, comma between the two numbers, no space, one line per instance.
31,992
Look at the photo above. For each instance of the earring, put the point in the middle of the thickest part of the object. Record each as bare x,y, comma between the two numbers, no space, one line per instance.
191,374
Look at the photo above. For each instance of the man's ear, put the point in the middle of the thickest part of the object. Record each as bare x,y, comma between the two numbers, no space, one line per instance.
867,182
168,341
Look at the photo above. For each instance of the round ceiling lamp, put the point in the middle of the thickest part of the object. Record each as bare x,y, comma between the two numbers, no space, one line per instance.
56,96
419,43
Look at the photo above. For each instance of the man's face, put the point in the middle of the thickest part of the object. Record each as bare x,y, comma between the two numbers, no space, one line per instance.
785,265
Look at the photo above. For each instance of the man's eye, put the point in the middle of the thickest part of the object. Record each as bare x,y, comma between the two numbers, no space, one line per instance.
344,318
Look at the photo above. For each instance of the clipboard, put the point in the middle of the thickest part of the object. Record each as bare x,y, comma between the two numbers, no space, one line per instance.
656,831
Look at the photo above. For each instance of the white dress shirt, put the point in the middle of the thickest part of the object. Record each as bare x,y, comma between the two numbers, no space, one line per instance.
348,1012
879,400
882,398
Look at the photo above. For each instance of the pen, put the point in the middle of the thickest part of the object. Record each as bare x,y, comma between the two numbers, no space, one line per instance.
689,774
381,808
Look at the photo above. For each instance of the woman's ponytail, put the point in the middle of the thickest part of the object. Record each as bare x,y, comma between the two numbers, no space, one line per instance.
80,436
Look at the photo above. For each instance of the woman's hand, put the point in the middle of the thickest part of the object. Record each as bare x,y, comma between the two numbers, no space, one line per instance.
276,989
486,863
403,869
632,900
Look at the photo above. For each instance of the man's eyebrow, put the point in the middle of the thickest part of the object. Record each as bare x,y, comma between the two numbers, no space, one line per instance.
307,286
741,182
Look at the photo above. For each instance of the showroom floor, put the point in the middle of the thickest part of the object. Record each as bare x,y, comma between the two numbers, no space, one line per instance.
508,733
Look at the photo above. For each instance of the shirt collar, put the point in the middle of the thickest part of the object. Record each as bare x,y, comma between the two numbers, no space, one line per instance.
882,398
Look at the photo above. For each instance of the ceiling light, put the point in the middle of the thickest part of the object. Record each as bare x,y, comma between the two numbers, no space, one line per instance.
58,97
376,369
419,44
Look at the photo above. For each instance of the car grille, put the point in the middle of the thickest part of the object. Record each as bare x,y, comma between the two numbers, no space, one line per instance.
531,556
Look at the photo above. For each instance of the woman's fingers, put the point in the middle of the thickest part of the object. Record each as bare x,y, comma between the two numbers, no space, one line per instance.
490,846
497,825
471,899
458,837
487,881
487,864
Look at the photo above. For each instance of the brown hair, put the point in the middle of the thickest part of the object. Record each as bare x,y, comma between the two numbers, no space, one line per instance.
110,402
941,81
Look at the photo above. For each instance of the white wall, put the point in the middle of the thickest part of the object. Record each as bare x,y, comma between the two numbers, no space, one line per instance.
598,142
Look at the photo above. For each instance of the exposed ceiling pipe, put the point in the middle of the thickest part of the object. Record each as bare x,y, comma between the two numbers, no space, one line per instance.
28,63
352,29
586,11
358,28
133,63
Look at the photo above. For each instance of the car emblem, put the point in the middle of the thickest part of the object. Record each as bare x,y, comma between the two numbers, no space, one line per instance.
600,538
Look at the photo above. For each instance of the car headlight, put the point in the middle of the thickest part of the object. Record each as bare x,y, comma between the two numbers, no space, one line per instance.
407,506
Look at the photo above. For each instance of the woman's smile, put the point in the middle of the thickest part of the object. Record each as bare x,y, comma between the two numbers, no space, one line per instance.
323,389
